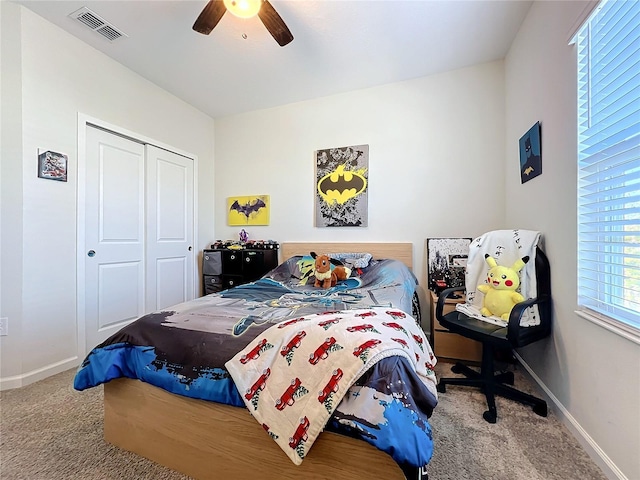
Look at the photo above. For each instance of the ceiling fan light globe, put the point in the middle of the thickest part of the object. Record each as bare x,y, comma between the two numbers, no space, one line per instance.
243,8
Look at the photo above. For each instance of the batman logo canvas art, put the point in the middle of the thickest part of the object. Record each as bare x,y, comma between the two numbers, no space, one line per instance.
248,210
341,185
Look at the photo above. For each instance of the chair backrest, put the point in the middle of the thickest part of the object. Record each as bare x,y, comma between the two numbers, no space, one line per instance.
507,248
519,336
543,281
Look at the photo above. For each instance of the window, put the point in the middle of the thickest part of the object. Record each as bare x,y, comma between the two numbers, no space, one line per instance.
608,47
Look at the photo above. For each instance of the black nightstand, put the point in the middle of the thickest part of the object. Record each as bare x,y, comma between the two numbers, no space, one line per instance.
224,268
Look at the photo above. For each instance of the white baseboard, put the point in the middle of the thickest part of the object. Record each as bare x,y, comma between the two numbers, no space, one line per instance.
594,451
17,381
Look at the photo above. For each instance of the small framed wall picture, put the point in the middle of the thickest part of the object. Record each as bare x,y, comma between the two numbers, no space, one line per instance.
52,165
530,154
446,262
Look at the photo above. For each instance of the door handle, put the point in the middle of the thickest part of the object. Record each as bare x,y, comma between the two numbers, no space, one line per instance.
91,253
190,248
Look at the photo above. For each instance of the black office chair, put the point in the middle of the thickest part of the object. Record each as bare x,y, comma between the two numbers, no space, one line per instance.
495,338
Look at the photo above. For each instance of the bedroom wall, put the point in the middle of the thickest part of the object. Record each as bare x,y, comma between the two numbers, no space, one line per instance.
590,371
436,146
11,188
49,77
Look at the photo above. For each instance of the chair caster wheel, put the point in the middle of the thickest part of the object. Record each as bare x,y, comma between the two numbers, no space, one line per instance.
490,416
456,368
508,378
540,409
441,387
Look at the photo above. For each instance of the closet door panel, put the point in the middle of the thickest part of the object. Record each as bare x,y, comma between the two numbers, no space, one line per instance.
114,234
170,253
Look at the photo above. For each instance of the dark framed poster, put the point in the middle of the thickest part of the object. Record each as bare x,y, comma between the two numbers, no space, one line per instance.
446,262
530,154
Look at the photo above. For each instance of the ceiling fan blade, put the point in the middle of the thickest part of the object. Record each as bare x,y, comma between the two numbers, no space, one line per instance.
209,17
274,23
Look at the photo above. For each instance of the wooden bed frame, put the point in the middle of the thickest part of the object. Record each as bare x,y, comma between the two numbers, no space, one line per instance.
208,440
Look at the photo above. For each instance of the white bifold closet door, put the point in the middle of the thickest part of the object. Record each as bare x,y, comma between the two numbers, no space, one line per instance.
138,232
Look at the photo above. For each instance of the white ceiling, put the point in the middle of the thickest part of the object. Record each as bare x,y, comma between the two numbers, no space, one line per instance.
338,45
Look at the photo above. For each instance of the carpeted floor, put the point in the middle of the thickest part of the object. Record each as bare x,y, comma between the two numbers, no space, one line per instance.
49,431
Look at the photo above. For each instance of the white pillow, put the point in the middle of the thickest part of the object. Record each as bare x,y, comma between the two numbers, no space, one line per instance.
353,260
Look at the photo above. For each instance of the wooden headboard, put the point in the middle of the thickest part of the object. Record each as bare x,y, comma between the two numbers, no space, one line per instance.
402,251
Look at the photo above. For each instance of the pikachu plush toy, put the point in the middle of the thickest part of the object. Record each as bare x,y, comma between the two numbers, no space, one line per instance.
500,294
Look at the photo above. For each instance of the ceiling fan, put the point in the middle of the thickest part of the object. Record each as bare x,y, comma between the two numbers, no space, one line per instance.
215,9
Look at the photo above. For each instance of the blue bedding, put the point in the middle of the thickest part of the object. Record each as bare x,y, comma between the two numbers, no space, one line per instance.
184,349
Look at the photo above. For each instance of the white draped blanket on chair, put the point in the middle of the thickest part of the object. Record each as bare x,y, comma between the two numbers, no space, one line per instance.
506,246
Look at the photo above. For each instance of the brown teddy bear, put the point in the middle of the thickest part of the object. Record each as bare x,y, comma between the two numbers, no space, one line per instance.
327,277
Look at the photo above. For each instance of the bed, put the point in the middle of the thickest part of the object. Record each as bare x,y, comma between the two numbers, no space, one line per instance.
164,420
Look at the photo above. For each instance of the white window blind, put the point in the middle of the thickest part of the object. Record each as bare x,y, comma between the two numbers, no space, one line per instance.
609,162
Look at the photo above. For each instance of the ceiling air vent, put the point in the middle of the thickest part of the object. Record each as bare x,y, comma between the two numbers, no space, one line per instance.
97,24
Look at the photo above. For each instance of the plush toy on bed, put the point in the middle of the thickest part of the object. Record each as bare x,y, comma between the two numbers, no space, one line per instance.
326,276
500,294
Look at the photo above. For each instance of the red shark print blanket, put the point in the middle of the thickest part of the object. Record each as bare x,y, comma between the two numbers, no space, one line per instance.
294,375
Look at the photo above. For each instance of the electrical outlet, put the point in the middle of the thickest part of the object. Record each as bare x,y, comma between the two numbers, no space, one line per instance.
4,326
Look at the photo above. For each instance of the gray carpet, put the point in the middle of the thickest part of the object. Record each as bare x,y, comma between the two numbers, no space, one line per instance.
50,431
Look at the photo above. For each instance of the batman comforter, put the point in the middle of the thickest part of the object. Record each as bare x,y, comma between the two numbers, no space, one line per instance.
185,348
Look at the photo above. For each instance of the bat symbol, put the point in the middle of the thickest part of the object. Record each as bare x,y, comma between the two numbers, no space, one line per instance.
248,208
340,185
